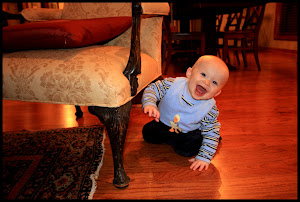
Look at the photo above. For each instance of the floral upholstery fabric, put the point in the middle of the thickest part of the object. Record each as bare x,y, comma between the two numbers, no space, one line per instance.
88,76
150,38
95,10
41,14
99,10
150,27
83,76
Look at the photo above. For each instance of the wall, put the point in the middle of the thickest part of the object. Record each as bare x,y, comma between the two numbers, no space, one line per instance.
266,34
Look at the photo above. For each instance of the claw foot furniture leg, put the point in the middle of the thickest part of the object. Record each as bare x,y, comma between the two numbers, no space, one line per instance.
116,123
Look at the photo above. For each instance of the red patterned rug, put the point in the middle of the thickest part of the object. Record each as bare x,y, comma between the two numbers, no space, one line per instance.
52,164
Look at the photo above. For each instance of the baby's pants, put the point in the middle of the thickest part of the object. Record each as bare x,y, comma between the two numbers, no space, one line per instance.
184,144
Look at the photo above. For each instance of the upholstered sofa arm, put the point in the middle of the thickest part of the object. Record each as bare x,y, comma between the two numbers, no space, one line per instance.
155,8
41,14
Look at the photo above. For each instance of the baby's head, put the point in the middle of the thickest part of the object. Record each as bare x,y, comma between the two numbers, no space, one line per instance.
207,77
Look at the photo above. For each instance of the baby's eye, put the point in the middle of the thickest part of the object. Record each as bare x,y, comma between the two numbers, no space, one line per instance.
214,82
203,74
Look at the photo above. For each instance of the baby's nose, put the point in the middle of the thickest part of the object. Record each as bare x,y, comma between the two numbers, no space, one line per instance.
206,82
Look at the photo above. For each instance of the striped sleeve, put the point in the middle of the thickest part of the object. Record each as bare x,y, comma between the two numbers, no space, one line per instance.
156,91
210,127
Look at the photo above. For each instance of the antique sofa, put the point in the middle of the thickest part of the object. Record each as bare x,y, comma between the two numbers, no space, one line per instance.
105,75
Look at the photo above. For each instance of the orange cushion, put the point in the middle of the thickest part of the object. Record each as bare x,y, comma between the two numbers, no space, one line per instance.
63,33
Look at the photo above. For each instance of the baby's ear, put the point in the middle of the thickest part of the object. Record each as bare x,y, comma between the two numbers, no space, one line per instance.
218,93
188,72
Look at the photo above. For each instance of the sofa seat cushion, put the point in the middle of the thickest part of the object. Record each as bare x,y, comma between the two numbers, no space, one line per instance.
63,33
87,76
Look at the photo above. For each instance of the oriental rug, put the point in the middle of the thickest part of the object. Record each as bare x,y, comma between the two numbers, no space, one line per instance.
52,164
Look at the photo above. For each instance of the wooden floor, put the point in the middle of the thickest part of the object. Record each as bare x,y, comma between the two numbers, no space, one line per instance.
257,158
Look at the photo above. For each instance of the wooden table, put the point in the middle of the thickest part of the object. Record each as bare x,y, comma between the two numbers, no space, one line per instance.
207,11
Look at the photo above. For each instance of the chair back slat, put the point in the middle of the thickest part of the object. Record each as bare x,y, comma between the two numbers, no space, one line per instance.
234,21
219,19
253,18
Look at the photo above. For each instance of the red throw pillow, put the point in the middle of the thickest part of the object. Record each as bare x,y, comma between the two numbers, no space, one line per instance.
63,33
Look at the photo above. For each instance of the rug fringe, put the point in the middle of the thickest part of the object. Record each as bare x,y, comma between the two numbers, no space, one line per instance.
96,174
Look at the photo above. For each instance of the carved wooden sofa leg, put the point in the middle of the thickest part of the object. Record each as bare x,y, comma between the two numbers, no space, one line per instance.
78,113
116,123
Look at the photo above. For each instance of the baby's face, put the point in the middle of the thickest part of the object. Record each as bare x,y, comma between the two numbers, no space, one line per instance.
207,77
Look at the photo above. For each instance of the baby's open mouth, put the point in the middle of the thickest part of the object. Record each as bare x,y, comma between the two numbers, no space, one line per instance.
201,90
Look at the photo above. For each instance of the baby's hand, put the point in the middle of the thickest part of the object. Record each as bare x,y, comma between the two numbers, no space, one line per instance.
198,164
152,111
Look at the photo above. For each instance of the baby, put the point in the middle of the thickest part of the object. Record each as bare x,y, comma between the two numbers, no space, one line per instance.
186,116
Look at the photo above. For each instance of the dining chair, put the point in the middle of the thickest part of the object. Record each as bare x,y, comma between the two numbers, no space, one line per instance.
233,22
246,25
177,40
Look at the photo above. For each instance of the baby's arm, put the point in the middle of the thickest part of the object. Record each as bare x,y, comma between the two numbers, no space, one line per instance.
211,134
152,112
154,93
